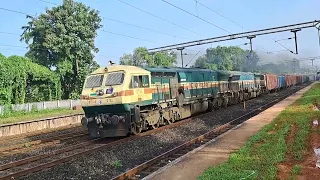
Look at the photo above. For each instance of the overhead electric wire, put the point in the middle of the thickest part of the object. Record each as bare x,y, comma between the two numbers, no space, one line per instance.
237,24
192,59
218,13
159,17
196,16
6,45
152,30
10,10
2,32
132,37
49,2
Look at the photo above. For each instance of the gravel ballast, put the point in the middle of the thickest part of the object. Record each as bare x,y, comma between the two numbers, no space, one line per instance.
107,163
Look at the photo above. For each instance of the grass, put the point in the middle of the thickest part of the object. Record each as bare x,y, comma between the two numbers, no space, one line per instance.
296,170
116,164
14,117
259,157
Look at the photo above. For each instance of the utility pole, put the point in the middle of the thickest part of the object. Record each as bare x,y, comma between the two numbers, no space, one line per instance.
250,38
312,62
181,49
295,38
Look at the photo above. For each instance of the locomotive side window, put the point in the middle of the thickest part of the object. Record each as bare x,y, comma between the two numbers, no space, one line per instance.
139,81
145,81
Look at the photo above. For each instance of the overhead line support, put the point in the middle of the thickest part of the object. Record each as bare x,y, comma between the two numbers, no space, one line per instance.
250,38
291,27
295,38
181,49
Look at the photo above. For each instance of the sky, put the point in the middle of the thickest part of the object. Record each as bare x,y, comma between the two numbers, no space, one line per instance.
168,25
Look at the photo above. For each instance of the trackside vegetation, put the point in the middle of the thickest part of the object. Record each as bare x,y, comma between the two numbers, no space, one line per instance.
19,116
283,139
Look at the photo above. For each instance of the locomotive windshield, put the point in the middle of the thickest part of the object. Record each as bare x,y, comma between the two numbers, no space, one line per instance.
114,78
94,81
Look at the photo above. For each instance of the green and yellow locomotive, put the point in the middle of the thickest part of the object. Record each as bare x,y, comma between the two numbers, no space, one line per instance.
119,100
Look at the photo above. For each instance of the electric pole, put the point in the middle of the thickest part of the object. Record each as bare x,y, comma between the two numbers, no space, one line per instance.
181,49
295,38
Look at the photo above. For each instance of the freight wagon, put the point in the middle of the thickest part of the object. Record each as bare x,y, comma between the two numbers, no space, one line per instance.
281,81
119,100
271,82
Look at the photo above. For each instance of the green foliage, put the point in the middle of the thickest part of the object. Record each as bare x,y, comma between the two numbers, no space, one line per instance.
228,58
23,81
116,164
282,67
264,150
63,38
296,170
141,57
18,116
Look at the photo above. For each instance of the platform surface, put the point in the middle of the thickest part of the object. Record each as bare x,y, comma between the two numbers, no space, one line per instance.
219,151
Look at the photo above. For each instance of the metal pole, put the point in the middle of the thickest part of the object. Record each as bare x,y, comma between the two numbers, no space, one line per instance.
295,38
319,34
250,38
181,49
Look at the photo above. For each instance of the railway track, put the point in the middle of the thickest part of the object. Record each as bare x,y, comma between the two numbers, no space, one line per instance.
149,168
39,162
36,163
36,144
34,135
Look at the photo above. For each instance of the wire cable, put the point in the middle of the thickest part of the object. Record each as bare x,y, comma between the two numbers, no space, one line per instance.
49,2
19,12
158,17
196,16
130,36
152,30
237,23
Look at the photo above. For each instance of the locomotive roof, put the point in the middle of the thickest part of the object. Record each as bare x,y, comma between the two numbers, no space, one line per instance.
124,68
175,69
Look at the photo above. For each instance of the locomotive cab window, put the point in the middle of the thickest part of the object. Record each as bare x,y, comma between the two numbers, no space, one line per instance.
114,78
139,81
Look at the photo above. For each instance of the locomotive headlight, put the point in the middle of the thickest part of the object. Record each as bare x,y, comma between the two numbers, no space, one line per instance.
115,119
84,121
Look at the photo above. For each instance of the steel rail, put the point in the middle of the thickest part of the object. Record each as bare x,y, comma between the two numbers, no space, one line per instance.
59,138
162,160
74,147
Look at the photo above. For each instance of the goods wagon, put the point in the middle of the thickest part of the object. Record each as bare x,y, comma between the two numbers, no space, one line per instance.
290,80
281,81
298,79
271,82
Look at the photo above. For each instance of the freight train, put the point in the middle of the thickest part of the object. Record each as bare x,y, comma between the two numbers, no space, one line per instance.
120,100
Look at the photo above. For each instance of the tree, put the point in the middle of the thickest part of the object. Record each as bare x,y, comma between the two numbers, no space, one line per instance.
164,59
24,81
251,61
63,38
141,57
225,58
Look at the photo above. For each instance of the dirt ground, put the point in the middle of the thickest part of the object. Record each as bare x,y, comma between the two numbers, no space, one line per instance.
308,168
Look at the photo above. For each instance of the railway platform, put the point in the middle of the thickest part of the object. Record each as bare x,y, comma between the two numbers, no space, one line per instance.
218,151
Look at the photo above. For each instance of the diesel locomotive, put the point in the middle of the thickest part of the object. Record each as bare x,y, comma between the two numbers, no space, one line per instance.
119,100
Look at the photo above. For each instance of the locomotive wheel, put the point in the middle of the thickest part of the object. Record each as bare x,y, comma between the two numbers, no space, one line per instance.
155,126
171,120
136,128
